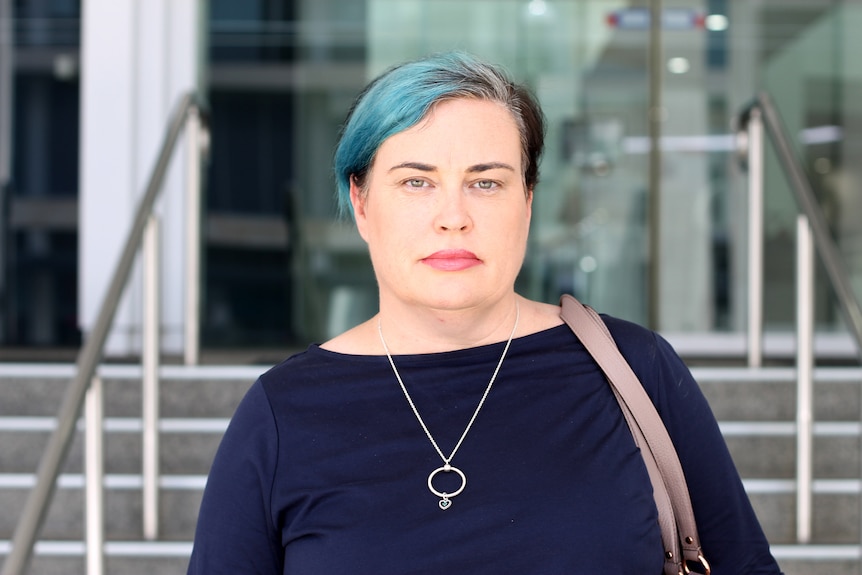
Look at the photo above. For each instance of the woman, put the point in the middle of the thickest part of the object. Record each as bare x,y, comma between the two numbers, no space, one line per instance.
464,428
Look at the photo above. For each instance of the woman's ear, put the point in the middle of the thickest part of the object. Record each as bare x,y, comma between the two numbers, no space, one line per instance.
358,198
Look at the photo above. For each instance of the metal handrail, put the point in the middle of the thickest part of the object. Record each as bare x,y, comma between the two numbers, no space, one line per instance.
812,233
807,203
91,354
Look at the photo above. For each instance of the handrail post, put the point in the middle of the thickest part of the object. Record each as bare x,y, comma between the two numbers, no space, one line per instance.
755,238
94,469
55,453
150,379
805,369
195,142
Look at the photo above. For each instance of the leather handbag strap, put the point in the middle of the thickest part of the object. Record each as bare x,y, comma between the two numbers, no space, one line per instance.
676,517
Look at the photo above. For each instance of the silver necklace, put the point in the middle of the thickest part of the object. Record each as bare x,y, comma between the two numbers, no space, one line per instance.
446,498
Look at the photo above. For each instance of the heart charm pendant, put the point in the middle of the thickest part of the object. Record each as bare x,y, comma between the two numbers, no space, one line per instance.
445,501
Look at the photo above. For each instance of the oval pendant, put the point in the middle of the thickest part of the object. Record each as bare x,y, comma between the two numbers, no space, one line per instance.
445,498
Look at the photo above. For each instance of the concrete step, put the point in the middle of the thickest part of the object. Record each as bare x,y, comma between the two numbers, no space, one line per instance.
179,501
769,394
818,559
63,557
836,515
170,558
187,444
768,450
756,410
184,391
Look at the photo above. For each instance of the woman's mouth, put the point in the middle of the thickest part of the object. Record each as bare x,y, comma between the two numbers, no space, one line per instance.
452,260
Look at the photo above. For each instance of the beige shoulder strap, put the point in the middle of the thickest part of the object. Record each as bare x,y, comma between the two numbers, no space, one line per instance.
676,516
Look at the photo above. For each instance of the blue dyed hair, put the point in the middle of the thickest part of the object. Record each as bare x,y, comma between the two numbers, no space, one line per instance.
402,96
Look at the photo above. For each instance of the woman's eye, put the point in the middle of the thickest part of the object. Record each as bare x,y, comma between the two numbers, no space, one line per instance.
415,183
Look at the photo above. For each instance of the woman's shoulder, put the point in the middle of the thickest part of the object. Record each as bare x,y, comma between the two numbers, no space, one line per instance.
642,347
316,370
628,333
537,317
359,340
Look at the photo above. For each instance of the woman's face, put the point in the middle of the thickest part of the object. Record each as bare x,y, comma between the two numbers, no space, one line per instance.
444,209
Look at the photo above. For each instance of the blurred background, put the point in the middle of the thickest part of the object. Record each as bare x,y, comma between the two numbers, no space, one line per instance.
86,89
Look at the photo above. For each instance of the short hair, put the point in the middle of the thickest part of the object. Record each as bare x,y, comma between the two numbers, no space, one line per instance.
402,96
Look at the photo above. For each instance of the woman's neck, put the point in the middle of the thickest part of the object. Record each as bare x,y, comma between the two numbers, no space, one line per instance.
410,329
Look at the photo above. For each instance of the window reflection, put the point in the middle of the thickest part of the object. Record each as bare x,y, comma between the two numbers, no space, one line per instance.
283,270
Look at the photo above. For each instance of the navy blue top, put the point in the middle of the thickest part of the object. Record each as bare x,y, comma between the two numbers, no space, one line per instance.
324,467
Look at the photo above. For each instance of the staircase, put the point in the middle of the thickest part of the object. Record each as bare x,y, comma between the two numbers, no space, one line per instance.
756,409
196,404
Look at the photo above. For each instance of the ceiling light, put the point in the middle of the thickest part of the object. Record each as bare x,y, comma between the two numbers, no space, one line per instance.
716,22
537,7
678,65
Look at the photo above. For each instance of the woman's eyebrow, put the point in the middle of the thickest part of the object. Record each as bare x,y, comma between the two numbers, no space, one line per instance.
490,166
414,166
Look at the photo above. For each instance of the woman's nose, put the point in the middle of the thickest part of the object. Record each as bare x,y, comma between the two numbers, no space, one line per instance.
452,211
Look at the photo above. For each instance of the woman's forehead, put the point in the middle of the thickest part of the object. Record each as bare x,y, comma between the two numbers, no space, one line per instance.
463,128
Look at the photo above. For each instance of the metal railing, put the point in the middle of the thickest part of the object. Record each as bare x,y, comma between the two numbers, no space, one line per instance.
812,235
86,384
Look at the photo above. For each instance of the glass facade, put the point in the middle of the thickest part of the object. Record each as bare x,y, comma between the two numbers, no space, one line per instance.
38,230
281,269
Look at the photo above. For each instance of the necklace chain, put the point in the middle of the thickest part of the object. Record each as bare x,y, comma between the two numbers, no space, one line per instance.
444,503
